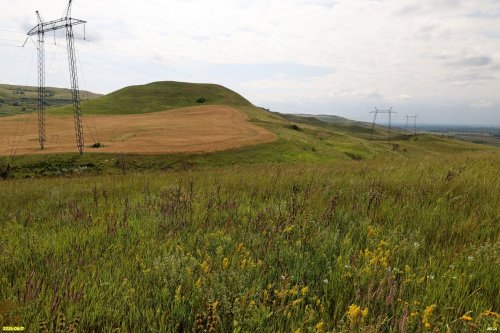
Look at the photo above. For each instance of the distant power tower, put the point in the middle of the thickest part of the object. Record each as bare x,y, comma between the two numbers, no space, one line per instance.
66,22
376,112
414,123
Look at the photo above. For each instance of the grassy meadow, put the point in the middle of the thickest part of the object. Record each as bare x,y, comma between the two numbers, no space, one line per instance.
389,244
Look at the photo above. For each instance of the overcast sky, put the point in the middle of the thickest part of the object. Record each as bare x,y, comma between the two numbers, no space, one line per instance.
438,59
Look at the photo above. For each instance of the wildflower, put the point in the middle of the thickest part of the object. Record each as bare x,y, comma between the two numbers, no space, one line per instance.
294,291
304,290
243,264
466,317
297,330
320,327
364,312
240,247
297,302
288,229
198,283
427,314
489,313
225,263
353,313
205,267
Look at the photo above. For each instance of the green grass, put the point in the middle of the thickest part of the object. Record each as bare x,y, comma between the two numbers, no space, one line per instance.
24,99
159,96
281,236
276,247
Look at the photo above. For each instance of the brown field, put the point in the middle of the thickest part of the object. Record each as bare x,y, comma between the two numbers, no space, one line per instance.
191,130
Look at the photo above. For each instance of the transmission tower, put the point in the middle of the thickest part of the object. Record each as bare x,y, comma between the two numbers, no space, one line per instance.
66,22
376,112
415,124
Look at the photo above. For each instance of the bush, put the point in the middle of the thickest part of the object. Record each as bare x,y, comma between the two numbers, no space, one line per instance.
294,127
201,100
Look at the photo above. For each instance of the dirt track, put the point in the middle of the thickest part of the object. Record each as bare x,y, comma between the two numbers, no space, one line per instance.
191,130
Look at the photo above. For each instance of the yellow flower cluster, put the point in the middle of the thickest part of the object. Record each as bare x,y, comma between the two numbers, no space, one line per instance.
377,257
356,313
489,313
466,317
426,318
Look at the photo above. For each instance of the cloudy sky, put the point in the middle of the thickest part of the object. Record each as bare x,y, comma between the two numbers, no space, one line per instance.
438,59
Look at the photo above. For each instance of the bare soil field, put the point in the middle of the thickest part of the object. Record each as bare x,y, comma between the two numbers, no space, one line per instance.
187,130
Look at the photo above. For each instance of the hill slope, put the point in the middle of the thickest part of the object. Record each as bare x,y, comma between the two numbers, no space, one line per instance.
159,96
24,99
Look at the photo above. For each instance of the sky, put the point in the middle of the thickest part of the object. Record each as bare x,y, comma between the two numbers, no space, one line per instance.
437,59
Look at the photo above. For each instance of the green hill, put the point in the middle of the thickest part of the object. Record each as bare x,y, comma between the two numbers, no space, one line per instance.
159,96
24,99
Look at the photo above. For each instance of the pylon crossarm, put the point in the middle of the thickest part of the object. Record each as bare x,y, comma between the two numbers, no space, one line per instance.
55,25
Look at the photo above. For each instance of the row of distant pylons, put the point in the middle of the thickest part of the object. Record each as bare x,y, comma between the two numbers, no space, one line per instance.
390,112
67,23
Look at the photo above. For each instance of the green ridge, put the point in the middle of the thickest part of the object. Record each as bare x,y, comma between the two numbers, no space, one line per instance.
159,96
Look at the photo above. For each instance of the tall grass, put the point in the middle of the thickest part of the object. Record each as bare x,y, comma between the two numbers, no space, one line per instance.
369,246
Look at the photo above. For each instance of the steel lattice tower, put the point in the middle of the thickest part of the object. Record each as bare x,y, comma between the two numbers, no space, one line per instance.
66,22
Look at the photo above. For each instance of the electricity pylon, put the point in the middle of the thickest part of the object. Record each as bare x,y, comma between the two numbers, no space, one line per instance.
415,124
66,22
376,112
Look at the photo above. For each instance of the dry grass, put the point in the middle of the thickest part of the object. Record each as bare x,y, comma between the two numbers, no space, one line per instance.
191,130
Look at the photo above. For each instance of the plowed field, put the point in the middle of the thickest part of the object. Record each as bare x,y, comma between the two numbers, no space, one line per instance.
189,130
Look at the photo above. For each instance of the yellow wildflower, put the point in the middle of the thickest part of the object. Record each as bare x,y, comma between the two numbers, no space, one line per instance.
240,247
288,229
320,327
198,283
243,264
205,267
427,314
297,330
371,231
489,313
294,291
364,312
297,302
225,263
304,290
353,313
466,317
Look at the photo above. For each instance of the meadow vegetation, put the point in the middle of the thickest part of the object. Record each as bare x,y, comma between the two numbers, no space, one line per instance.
386,244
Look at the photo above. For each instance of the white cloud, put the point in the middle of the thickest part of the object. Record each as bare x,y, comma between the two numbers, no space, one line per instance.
404,97
482,104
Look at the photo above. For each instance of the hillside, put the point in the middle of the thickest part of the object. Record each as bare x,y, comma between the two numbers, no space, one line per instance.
24,99
160,96
297,138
